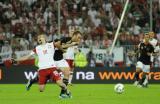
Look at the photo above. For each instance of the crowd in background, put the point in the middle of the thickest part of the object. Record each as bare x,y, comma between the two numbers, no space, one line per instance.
22,20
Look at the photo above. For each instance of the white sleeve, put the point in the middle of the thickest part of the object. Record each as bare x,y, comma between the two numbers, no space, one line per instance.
33,52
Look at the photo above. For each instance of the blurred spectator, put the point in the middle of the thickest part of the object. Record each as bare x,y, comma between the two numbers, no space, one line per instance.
107,5
91,58
77,21
108,59
24,43
135,29
80,59
22,20
92,13
6,47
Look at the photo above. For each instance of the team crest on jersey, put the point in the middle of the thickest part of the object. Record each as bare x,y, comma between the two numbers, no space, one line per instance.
49,46
44,51
142,47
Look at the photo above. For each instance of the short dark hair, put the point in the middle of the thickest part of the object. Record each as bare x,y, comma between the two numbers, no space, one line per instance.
56,40
146,34
77,32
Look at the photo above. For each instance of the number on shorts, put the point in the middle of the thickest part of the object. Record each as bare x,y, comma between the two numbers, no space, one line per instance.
55,73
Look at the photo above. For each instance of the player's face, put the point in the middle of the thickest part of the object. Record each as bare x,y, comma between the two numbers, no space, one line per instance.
71,31
79,37
58,44
151,35
41,39
76,38
146,38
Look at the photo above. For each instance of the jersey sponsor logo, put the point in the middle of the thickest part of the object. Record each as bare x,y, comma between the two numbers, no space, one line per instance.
49,46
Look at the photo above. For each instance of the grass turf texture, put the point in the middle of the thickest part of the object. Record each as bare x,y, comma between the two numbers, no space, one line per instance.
82,94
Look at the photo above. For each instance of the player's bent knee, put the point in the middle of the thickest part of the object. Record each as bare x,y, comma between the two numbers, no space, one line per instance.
60,83
66,71
41,88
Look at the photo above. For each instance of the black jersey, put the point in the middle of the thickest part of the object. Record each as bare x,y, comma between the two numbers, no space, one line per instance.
143,56
66,40
58,55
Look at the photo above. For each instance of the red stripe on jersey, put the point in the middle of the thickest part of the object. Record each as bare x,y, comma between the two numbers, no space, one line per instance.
34,50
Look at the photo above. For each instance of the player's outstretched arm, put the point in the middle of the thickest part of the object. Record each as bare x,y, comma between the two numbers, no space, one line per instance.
69,45
24,58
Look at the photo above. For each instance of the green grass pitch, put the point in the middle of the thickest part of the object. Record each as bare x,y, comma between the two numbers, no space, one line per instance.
82,94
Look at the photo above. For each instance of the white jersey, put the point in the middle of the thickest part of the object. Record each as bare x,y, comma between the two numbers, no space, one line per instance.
154,43
70,53
45,55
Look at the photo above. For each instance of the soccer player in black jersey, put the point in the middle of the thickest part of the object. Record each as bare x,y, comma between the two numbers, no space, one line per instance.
145,49
60,62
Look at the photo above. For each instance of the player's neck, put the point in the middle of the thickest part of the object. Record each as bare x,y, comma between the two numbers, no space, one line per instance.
43,44
151,38
146,43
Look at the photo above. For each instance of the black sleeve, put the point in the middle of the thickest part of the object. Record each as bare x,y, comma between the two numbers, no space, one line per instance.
139,46
151,49
66,40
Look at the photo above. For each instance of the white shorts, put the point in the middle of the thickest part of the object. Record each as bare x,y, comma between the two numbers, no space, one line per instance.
61,63
143,67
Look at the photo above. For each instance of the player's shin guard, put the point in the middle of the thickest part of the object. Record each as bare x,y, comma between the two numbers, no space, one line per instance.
34,80
64,92
65,81
70,77
137,76
146,81
63,89
143,79
31,82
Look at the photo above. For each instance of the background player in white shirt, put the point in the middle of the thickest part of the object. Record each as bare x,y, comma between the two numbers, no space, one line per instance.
154,42
69,56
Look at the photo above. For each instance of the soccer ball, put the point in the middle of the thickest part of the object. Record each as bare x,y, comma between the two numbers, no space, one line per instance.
119,88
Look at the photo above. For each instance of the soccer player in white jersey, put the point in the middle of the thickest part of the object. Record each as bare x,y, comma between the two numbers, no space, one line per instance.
69,56
153,41
60,62
47,69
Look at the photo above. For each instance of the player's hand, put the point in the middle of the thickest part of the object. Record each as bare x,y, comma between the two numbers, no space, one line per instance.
71,31
8,63
75,43
13,61
149,54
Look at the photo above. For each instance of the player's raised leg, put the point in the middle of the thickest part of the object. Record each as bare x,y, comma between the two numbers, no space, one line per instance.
31,82
66,72
139,67
64,92
42,79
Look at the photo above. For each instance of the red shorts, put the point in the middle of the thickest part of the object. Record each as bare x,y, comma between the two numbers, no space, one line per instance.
46,74
70,63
